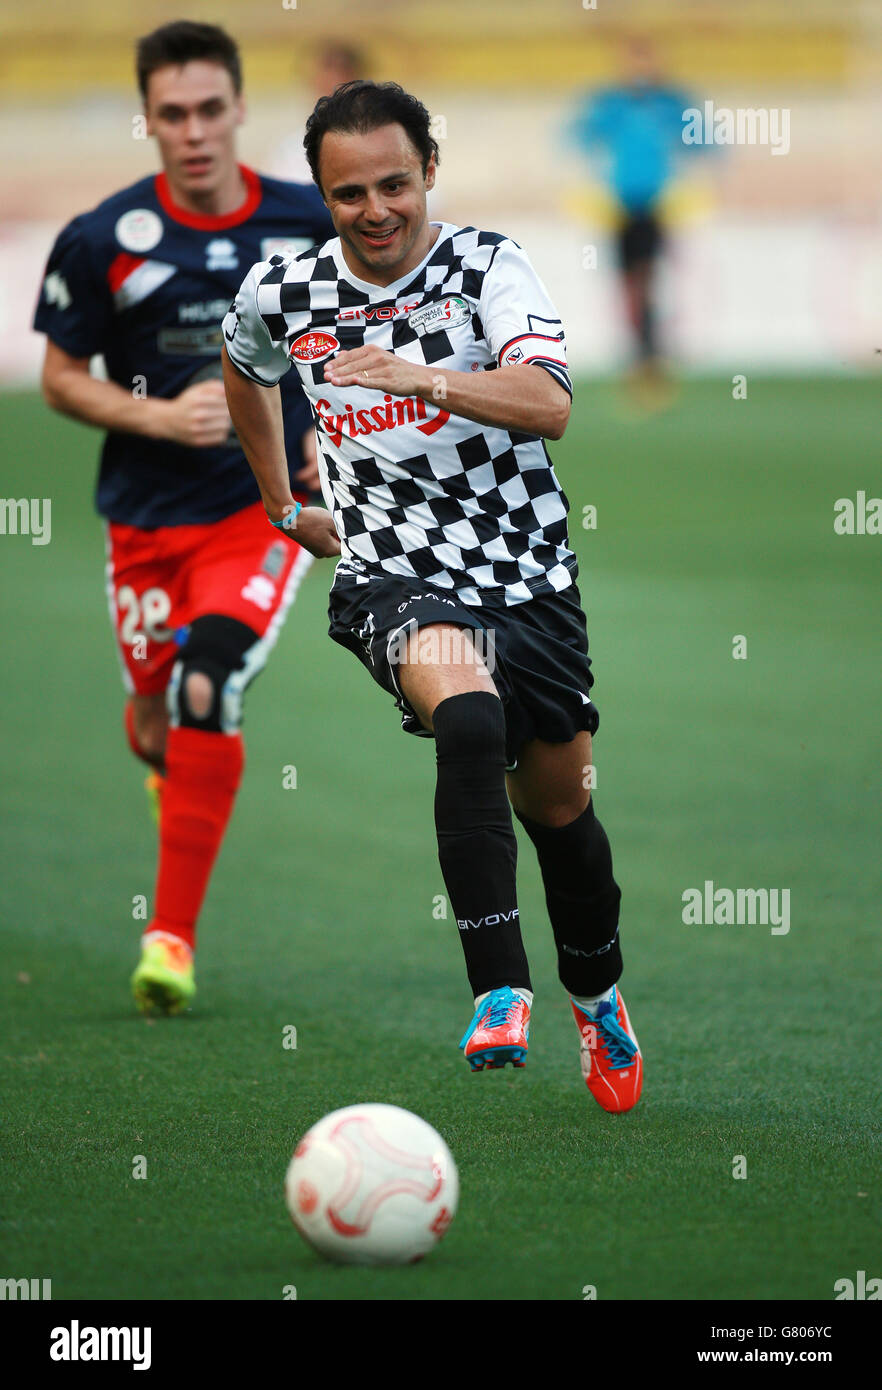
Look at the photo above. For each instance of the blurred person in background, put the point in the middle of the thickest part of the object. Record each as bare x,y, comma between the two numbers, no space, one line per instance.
197,590
634,130
334,63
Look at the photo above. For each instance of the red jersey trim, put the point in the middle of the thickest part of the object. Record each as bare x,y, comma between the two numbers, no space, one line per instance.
204,222
121,268
542,357
521,337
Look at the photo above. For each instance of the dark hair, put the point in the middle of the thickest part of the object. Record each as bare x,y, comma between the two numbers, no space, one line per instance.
360,106
184,41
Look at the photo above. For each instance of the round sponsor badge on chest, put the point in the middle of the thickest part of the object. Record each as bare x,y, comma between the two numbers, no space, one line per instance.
139,230
313,347
440,315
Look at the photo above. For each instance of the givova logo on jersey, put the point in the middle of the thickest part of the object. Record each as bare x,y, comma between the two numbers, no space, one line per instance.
395,411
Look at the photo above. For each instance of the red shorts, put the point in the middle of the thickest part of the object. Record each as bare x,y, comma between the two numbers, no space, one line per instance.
159,581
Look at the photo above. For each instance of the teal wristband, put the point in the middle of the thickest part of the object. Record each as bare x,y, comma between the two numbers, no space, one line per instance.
289,520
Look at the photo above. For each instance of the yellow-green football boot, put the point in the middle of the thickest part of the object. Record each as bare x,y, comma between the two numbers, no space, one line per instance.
163,980
153,786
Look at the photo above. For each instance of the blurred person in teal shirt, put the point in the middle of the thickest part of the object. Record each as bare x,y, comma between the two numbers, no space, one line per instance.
636,130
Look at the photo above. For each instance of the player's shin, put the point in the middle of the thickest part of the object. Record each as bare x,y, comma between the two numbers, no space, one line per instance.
153,759
477,848
203,775
204,762
583,901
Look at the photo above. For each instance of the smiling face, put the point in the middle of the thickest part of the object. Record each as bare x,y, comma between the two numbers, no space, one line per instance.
375,189
193,111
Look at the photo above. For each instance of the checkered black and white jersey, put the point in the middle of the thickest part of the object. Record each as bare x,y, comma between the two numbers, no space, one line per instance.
416,491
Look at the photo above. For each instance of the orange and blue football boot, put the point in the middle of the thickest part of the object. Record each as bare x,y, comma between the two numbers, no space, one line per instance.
499,1031
612,1063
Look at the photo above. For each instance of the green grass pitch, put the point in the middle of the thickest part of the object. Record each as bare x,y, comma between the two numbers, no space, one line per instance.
715,519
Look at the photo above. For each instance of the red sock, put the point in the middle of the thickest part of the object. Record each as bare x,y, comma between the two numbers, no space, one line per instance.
203,771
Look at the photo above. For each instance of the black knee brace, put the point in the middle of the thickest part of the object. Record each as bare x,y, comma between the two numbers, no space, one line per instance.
230,654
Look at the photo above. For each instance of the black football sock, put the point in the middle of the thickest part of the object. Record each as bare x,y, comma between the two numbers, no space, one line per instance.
477,847
583,901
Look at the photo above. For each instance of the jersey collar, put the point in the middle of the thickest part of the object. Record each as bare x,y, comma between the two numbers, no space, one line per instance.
204,222
391,290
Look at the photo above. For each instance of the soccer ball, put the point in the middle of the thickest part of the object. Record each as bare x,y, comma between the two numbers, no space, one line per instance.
372,1185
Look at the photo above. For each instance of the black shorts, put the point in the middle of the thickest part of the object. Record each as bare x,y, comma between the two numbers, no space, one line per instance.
640,239
536,651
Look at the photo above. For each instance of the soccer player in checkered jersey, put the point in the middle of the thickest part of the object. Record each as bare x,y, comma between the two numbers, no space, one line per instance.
198,587
435,365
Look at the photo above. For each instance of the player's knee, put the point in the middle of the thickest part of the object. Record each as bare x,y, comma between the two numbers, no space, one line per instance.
199,694
219,659
470,727
195,693
555,811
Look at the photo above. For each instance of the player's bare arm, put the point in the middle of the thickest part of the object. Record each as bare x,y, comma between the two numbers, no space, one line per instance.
257,416
522,398
198,417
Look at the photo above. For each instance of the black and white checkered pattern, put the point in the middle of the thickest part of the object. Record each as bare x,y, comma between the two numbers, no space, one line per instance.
414,490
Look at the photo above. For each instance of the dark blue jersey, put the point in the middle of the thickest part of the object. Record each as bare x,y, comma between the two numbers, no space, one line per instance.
146,284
